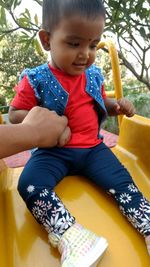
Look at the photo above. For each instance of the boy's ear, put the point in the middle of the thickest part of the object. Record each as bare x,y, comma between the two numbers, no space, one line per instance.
45,39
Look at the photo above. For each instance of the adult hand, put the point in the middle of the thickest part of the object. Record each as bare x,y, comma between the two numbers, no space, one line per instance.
46,128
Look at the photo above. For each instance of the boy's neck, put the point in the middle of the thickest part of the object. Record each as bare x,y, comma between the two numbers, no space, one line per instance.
56,69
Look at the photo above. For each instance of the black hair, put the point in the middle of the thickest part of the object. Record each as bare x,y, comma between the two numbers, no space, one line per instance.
55,10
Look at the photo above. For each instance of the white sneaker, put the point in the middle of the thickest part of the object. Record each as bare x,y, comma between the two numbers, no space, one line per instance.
80,247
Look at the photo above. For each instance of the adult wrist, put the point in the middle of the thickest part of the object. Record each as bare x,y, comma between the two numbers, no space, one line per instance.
31,136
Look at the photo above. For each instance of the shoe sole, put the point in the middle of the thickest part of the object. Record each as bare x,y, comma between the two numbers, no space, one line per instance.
95,255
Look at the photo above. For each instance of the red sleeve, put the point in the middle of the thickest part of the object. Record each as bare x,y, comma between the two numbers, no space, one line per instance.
103,92
25,97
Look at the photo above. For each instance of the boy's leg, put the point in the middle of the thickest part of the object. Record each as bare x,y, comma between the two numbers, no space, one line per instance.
37,181
43,171
106,171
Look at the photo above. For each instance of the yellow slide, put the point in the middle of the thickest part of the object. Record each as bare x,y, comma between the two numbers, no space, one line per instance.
23,243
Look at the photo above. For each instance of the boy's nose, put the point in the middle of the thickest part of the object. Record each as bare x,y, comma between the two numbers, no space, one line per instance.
84,54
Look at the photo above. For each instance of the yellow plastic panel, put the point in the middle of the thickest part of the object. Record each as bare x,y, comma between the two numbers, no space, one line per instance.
134,137
25,243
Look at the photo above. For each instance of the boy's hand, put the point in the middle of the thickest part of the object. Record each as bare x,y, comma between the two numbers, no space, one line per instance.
125,107
119,107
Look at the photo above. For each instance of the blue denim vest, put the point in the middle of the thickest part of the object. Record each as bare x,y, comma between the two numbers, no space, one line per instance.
50,94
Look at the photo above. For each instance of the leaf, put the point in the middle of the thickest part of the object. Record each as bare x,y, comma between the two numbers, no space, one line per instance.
2,3
25,33
142,32
1,37
8,4
3,16
24,39
23,22
38,47
27,44
36,19
16,3
114,4
28,13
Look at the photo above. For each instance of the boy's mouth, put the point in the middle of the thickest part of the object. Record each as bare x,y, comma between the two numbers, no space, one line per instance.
80,65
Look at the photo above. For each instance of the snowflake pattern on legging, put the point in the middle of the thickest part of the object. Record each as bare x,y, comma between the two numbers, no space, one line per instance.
49,211
138,215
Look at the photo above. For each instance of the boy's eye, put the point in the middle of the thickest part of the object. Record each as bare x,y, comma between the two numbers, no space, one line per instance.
73,44
94,46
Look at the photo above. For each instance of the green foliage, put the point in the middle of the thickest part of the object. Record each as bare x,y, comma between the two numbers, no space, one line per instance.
29,26
140,100
4,109
111,125
103,62
128,21
124,16
14,57
2,100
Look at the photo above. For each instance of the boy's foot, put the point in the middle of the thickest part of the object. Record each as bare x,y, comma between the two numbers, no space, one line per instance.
147,240
80,247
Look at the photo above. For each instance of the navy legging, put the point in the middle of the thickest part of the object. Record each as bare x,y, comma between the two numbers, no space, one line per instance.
47,167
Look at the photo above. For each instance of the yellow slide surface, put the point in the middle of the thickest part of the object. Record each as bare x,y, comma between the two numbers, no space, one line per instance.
23,242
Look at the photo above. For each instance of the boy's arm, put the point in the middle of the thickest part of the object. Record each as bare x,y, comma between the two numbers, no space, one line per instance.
16,115
111,106
23,101
119,107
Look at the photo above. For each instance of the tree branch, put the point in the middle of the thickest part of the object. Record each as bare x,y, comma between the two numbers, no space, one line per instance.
136,41
9,31
21,27
38,1
131,68
143,65
125,40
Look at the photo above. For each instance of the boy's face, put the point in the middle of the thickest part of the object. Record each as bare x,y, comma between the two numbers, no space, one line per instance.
73,43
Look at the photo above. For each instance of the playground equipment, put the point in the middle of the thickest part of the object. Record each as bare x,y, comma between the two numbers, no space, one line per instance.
1,118
24,243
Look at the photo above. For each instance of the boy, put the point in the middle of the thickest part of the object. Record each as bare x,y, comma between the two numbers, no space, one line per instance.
71,85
